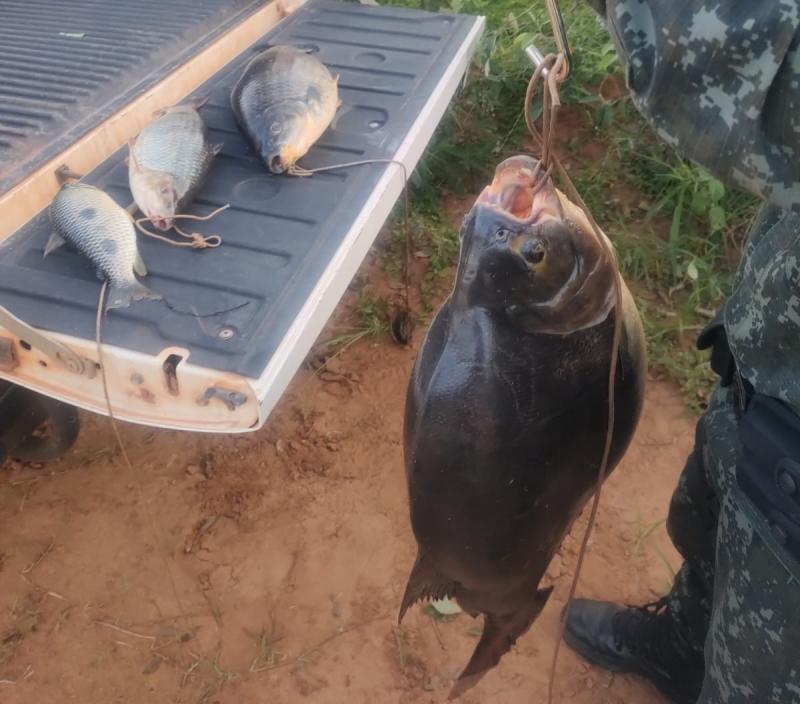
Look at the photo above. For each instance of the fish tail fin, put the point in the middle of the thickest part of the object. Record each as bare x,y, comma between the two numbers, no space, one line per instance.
499,634
425,582
121,295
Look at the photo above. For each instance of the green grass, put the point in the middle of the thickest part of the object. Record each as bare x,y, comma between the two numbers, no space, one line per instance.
486,123
370,318
679,242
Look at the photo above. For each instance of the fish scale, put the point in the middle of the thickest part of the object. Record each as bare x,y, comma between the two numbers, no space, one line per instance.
92,222
287,74
176,143
276,88
284,102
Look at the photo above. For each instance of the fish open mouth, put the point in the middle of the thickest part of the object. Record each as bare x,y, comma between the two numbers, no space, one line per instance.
275,164
161,223
522,190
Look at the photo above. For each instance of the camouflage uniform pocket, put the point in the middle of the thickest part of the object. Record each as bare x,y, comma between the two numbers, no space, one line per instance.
754,636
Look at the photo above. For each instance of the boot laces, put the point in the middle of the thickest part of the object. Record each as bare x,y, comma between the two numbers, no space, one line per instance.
650,631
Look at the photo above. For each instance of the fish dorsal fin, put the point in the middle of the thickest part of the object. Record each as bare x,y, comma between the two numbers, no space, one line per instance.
425,582
53,243
138,265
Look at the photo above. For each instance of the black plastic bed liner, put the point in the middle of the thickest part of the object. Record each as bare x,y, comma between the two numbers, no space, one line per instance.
280,232
65,66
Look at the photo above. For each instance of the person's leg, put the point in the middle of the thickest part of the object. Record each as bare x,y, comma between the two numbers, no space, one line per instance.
754,637
692,526
664,641
749,589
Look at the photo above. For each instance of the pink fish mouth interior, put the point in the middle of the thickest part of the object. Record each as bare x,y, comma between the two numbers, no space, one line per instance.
521,192
161,223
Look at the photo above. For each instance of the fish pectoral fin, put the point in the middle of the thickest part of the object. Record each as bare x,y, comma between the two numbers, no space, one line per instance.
132,163
216,148
500,632
53,243
138,265
425,582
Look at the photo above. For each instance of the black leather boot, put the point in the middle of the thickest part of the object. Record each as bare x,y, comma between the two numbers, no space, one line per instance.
647,641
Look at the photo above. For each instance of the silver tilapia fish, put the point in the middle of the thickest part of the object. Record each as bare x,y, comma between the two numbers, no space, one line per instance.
168,162
92,222
284,102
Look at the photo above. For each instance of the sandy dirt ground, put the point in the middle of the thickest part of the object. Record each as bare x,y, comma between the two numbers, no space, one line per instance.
269,567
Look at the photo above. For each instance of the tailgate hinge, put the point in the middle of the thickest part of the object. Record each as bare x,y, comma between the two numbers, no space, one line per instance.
55,350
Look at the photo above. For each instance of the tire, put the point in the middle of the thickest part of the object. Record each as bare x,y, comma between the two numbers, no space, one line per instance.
41,429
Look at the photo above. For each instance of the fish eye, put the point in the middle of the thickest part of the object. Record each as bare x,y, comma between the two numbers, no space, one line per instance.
276,128
502,234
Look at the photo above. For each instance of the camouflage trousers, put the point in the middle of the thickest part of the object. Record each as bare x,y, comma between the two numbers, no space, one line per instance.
738,591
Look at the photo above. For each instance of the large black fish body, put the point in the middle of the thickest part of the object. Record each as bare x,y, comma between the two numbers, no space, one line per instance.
507,407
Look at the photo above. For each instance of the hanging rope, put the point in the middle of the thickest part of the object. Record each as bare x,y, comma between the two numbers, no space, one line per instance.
158,534
402,322
550,73
195,239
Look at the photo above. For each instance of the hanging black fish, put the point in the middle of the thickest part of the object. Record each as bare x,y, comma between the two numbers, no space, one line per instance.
507,406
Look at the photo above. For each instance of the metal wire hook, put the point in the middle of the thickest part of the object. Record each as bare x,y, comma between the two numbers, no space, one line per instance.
562,42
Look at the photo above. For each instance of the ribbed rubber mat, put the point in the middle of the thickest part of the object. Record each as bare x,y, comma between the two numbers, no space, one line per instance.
66,66
237,302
